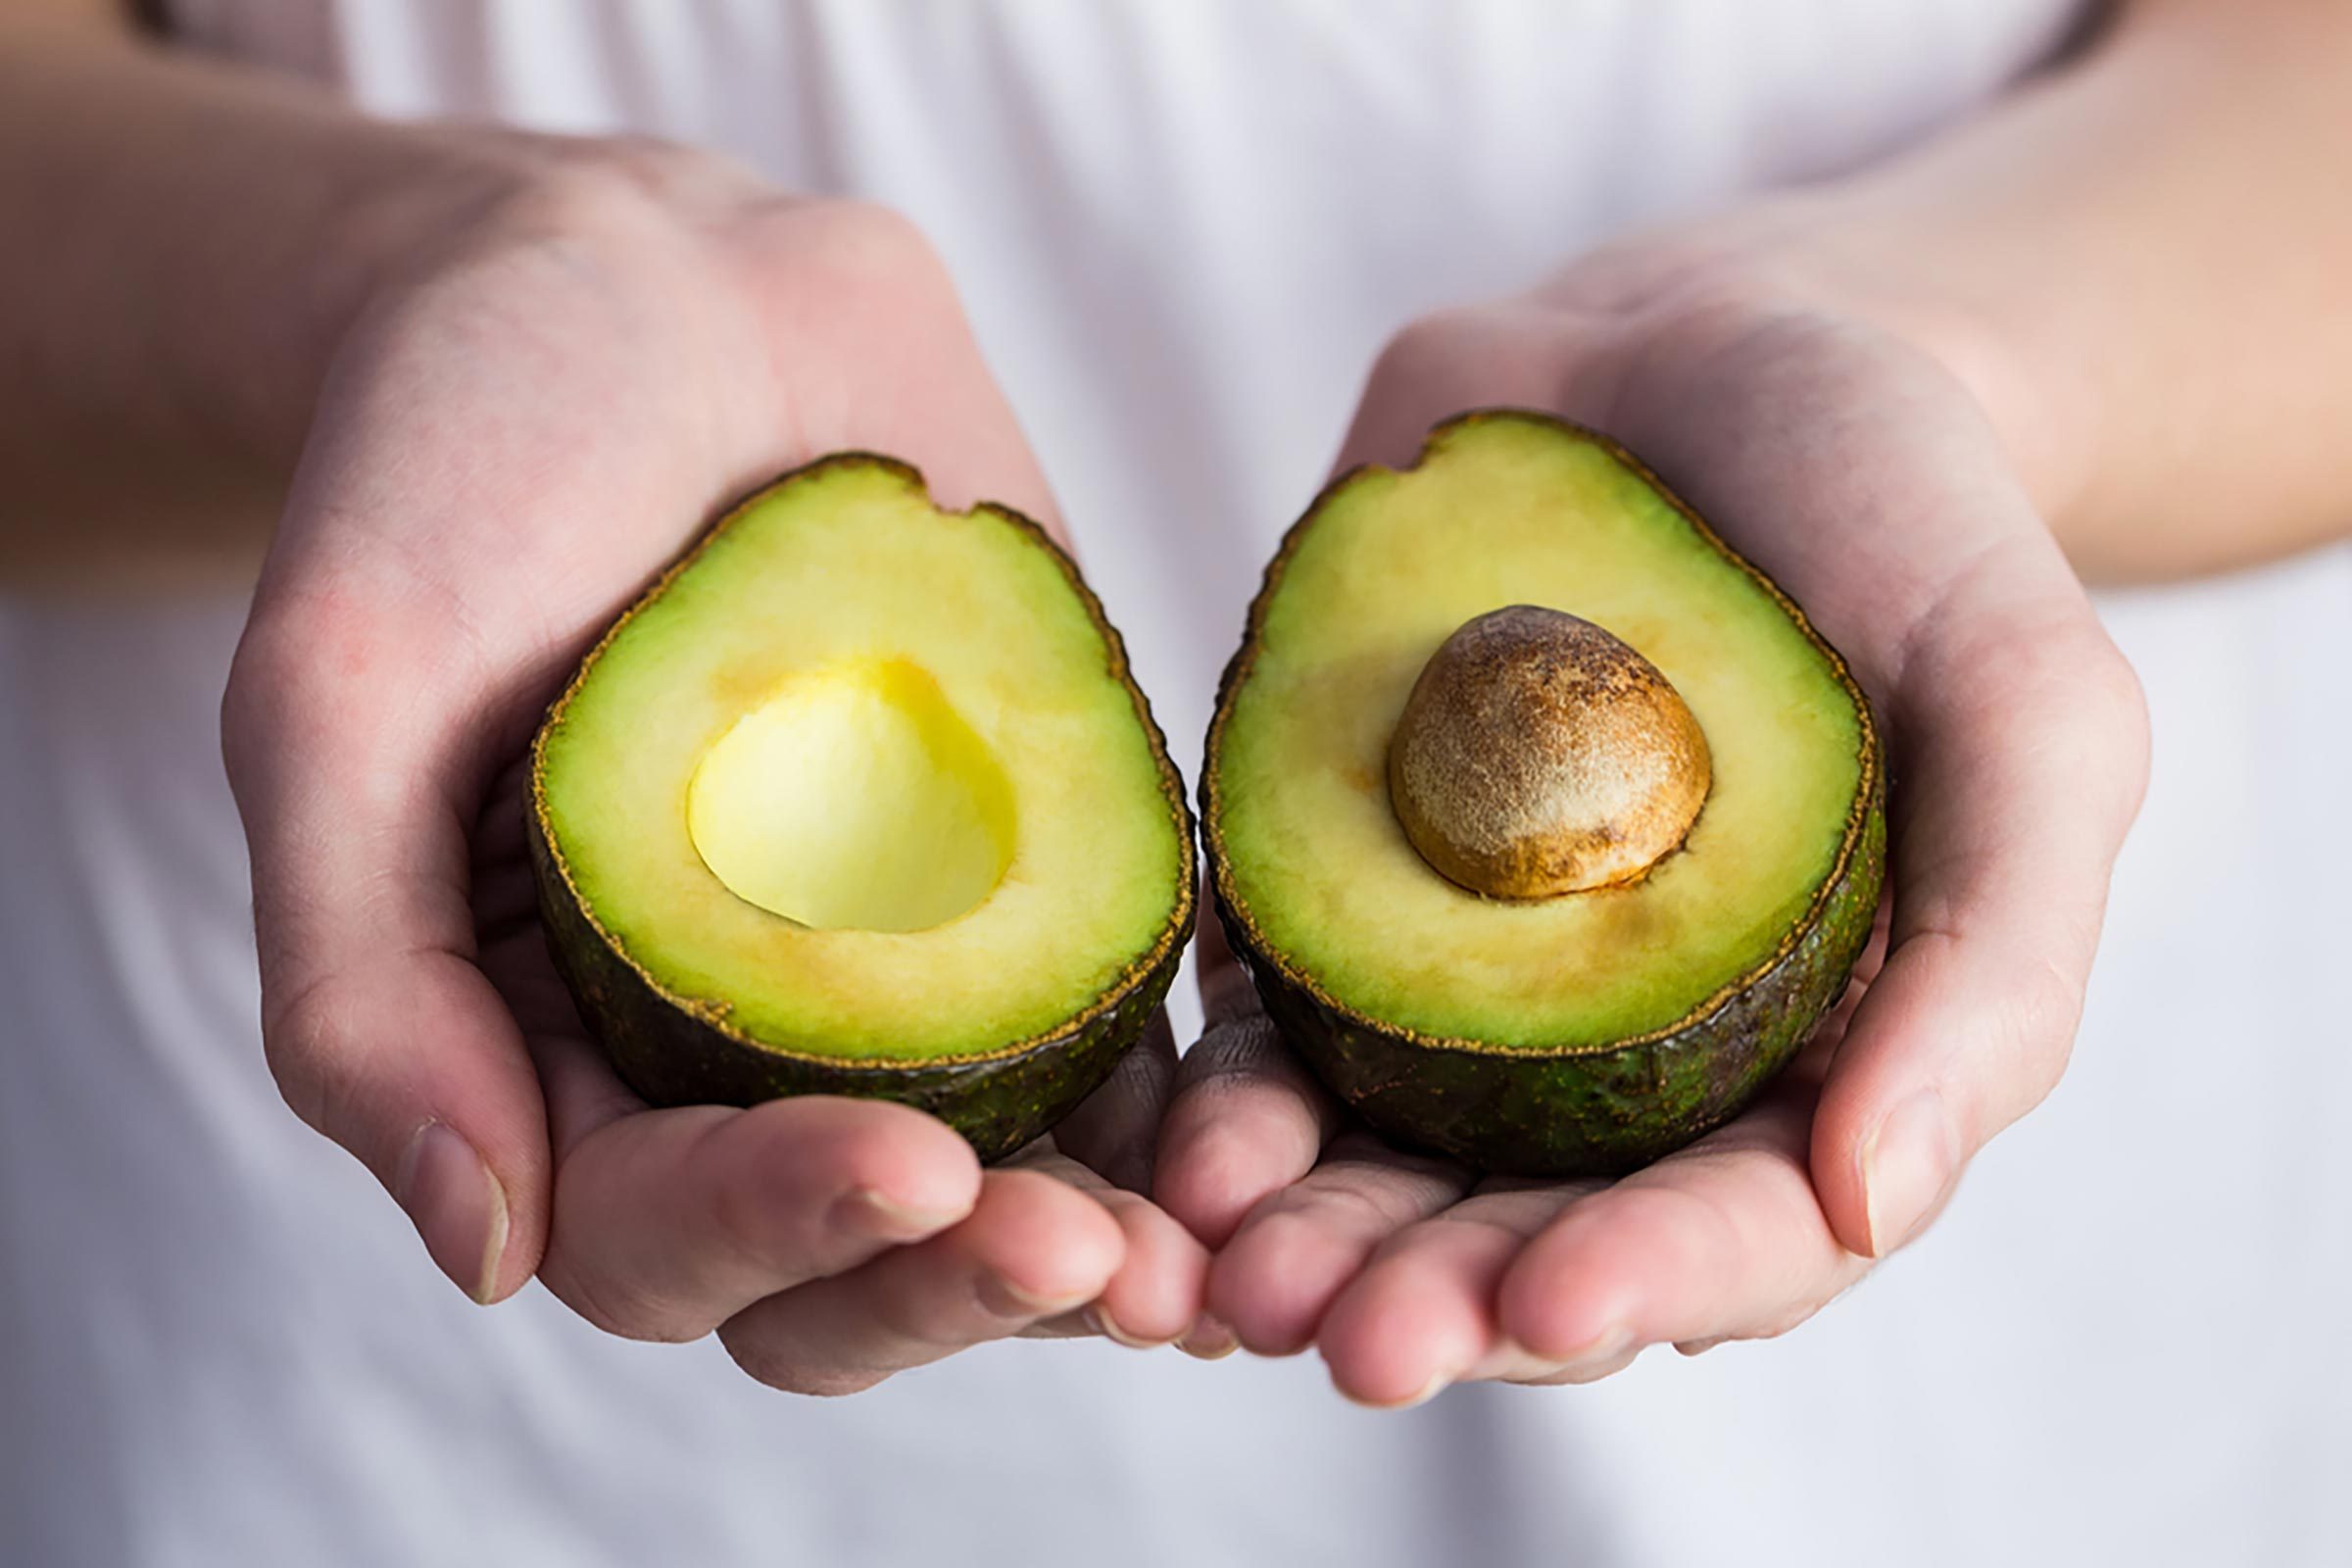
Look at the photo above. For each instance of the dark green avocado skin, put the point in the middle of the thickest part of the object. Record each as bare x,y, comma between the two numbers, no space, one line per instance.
1600,1114
671,1057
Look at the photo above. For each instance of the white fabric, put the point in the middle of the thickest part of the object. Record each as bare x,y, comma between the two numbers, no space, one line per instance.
1182,230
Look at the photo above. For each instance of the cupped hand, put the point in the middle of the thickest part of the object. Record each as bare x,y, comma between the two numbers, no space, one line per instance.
1863,475
532,416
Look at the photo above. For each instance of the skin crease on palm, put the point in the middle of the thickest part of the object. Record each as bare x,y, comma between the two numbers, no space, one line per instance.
509,375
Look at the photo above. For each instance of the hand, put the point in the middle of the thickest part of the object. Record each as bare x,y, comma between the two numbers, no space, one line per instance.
518,432
1865,479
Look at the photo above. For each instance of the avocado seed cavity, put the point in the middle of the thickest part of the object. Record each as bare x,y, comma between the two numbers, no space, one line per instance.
855,798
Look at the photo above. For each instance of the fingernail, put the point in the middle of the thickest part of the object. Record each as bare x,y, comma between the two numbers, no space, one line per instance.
867,1212
1005,1299
457,1206
1438,1384
1102,1323
1905,1168
1210,1339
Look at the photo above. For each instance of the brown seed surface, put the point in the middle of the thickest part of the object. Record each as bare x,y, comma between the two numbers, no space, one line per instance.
1538,755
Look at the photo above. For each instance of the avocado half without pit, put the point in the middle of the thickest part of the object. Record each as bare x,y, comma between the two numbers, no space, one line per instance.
861,799
1547,827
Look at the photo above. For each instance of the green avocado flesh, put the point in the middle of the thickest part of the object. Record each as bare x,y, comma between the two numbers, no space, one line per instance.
1592,1030
861,799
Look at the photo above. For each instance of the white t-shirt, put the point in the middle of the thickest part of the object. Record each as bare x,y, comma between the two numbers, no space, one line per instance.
1182,230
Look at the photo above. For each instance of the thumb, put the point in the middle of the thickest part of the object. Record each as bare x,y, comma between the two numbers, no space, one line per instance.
2023,775
351,773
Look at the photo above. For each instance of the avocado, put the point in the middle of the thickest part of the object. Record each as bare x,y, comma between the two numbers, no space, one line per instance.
861,799
1547,827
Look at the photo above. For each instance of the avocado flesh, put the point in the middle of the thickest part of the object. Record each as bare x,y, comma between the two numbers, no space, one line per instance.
1591,1031
861,799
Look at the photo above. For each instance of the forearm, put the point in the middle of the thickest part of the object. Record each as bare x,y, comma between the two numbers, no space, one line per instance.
2141,265
188,243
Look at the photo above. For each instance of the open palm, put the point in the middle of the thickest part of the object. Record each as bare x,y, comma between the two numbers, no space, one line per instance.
522,432
1861,476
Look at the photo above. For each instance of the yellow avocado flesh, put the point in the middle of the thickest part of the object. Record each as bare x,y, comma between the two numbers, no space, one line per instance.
864,781
1502,512
855,798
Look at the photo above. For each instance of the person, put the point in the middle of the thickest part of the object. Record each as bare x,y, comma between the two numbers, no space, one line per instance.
1937,310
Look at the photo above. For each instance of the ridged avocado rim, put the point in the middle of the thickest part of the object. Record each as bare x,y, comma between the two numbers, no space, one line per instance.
715,1014
1238,668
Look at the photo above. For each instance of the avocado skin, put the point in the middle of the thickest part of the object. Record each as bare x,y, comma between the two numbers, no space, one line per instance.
675,1052
671,1057
1598,1115
1595,1113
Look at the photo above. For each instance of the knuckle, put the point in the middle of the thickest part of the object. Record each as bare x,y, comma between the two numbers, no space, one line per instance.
859,250
876,239
848,272
1426,346
246,710
2096,693
650,167
272,670
610,183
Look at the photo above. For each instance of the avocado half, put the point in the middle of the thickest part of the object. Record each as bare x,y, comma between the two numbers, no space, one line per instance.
861,799
1591,1031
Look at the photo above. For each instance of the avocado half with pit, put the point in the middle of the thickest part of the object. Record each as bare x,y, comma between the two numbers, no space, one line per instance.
1547,827
861,799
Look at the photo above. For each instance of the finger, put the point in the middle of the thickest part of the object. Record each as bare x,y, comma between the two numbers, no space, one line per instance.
1421,1315
669,1222
1032,1250
1725,1237
1106,1149
382,1032
578,1085
1246,1120
1115,1130
2022,773
1273,1280
1156,1296
1226,991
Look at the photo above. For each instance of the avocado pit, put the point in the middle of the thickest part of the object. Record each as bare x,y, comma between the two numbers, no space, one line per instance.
1538,755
